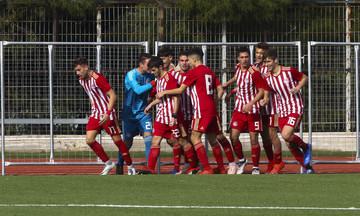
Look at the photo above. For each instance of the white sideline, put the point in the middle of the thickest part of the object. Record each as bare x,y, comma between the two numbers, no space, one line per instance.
176,207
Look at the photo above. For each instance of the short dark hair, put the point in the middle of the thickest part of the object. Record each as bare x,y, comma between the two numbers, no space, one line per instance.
143,57
197,52
183,53
263,45
165,52
243,49
271,53
155,61
80,61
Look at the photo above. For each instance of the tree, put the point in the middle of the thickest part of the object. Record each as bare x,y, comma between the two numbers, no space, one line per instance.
234,11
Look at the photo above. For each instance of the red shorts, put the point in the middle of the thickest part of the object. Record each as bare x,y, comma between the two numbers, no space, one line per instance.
207,124
187,126
242,121
177,131
292,120
111,127
270,120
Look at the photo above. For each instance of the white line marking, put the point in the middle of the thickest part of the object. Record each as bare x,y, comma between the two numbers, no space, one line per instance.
176,207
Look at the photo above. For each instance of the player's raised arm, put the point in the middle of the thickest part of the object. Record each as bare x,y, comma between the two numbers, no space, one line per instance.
139,89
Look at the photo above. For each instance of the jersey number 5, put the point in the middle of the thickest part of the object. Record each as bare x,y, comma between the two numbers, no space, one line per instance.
208,82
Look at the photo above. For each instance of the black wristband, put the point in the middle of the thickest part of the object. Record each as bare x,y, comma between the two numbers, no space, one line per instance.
174,115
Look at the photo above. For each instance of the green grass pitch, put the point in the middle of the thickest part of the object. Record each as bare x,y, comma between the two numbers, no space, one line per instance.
292,194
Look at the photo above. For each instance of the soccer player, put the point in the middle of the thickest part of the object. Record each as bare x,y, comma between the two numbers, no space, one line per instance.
203,83
103,114
166,121
250,89
138,85
167,55
186,107
286,82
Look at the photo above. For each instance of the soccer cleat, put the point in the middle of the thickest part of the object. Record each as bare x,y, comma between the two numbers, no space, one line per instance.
222,170
146,171
207,171
277,168
119,169
241,166
184,169
174,171
232,169
309,170
107,168
307,155
269,167
192,171
255,171
131,170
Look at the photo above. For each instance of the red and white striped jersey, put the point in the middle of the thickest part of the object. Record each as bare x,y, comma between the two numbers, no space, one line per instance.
96,87
202,82
186,106
281,84
166,104
248,82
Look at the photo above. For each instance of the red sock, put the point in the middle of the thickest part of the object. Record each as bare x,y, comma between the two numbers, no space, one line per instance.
278,157
227,149
295,140
124,151
255,154
238,149
268,150
201,153
99,151
153,156
218,155
177,156
298,154
190,156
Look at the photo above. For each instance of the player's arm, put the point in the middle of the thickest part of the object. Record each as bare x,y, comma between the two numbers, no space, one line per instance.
139,89
153,103
228,96
229,82
112,100
175,111
176,91
258,96
302,82
220,93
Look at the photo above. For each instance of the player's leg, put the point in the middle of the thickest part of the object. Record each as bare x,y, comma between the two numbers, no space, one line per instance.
112,127
279,164
189,152
129,129
293,121
267,144
216,148
92,130
177,151
200,150
154,152
228,152
145,128
255,151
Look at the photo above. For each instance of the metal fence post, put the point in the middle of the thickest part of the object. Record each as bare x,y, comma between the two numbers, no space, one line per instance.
357,100
51,98
2,109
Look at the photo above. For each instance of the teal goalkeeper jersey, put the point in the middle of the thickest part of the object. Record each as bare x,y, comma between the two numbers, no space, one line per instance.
137,90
